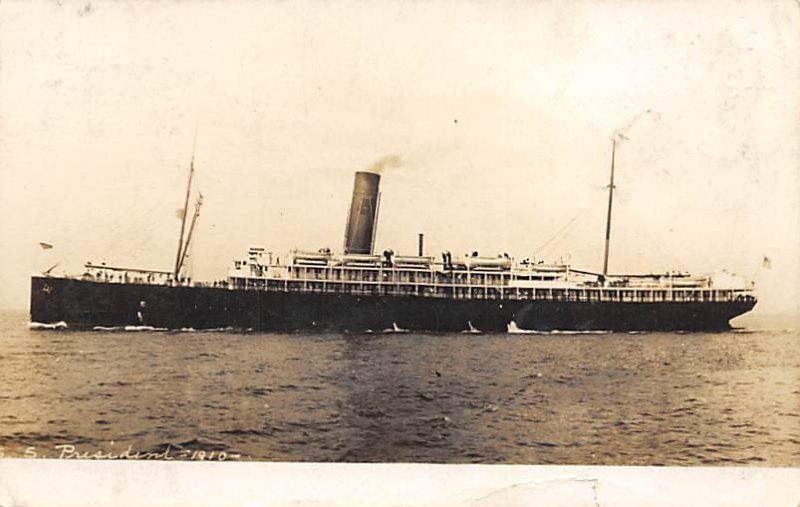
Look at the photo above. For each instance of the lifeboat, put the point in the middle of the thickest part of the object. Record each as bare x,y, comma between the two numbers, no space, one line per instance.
647,282
549,268
409,261
488,262
688,281
311,258
361,260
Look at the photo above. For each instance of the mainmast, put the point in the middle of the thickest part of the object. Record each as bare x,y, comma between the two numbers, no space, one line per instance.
610,201
178,256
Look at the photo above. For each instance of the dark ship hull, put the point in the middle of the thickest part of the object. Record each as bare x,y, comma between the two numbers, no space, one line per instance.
88,304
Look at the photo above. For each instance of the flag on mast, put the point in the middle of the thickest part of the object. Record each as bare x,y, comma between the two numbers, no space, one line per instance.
766,263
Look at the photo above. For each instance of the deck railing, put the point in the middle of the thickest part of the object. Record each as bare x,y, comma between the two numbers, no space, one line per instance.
500,292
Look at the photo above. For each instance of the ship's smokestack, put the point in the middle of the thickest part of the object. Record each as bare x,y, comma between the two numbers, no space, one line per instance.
421,245
359,236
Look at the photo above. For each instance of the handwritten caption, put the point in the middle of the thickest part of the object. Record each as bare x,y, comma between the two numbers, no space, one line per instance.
69,451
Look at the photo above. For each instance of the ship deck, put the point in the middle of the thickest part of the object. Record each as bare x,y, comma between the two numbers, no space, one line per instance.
522,285
550,283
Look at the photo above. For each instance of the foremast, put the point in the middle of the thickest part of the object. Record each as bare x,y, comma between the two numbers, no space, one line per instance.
188,242
179,256
183,245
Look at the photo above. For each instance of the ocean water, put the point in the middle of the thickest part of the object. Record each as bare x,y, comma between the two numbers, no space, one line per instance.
729,398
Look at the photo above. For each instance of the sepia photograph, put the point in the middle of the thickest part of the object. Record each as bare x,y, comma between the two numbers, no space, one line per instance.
436,233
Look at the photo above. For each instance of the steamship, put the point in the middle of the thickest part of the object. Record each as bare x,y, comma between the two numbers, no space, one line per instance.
359,290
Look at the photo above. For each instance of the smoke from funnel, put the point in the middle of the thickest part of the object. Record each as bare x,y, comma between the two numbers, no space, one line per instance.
389,162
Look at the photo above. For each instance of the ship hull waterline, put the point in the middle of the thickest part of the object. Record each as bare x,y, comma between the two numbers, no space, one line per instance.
83,304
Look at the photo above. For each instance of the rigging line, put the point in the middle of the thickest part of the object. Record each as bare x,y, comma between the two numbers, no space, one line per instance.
566,227
559,232
143,220
577,230
760,269
567,231
563,233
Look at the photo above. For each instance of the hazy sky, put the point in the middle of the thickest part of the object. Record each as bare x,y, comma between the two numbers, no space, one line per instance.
502,113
